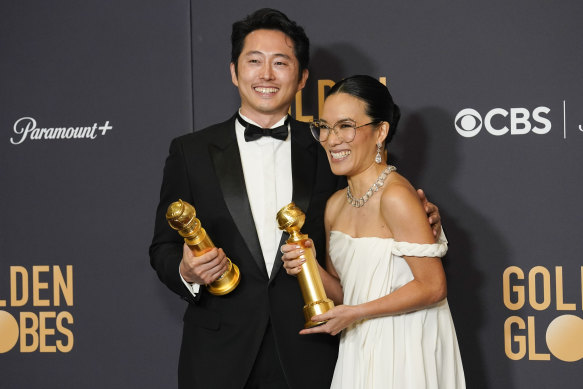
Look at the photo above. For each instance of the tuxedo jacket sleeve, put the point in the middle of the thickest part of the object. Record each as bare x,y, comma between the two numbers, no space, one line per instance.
204,169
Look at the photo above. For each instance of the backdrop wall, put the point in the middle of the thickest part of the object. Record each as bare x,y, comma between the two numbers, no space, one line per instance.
492,129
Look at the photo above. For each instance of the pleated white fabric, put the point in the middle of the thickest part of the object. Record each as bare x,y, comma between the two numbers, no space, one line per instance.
417,350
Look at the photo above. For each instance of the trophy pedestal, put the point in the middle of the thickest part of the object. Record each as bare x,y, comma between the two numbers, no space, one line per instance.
226,282
316,308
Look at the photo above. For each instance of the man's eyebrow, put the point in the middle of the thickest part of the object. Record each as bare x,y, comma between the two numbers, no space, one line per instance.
257,52
282,55
254,52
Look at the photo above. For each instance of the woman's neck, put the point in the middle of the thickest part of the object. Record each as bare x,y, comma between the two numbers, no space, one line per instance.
360,183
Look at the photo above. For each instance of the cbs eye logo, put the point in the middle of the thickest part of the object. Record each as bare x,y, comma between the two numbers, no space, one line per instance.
498,121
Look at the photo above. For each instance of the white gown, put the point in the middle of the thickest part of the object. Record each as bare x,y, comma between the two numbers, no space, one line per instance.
417,350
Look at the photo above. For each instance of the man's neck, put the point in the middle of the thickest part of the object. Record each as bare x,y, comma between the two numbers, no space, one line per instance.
263,121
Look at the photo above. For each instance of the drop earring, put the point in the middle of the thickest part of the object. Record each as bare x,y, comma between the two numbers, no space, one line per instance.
378,158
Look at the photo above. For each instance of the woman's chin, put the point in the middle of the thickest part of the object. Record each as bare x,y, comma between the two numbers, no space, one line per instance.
339,169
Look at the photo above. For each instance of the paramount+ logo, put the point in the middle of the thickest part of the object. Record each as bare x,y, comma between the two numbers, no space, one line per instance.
500,121
34,314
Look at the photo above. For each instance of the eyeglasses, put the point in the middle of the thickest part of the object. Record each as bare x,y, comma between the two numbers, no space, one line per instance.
344,129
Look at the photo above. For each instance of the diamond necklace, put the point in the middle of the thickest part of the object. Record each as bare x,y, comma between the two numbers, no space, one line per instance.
374,188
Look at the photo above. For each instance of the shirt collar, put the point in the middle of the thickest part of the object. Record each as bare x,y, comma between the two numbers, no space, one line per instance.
279,123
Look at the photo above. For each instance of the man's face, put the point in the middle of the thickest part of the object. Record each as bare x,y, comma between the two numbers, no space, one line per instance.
268,76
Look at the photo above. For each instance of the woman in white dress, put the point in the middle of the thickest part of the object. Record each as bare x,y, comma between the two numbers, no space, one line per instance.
384,270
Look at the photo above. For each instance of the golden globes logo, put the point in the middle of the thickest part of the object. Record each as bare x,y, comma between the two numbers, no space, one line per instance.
543,290
34,318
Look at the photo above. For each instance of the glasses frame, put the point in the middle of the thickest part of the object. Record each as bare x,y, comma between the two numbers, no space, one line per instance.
337,131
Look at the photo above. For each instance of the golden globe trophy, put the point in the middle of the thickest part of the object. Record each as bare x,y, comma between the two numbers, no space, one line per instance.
182,217
290,218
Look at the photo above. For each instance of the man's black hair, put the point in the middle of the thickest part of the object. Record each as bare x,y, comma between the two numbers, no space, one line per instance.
270,19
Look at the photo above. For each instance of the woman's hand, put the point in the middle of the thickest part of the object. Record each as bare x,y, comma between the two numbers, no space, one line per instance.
293,256
338,318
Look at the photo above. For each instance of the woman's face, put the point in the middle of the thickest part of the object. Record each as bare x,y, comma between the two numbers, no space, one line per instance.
349,158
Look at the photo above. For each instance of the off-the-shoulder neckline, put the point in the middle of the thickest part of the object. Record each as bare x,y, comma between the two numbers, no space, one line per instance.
359,237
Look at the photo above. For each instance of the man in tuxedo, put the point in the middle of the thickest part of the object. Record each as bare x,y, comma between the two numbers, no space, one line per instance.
238,174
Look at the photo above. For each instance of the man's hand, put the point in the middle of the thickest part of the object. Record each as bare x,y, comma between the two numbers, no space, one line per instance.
205,269
432,213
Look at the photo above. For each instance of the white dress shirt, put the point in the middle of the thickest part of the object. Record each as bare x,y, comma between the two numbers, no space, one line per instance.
268,179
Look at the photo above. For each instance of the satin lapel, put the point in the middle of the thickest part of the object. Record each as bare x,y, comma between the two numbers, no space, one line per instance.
303,160
227,161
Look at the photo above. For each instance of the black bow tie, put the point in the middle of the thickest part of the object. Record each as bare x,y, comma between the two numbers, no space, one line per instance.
252,132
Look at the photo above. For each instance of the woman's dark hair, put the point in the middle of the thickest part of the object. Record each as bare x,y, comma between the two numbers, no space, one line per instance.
270,19
379,102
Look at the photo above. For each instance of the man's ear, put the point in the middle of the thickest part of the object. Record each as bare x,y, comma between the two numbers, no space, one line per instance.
234,75
303,79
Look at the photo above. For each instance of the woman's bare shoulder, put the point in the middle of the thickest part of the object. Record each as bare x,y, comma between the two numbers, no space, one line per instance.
334,203
398,190
403,212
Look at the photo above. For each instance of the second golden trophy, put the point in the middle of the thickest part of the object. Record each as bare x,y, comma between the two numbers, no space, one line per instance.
290,218
182,217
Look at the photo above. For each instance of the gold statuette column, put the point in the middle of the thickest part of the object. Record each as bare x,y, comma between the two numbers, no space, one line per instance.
290,218
182,217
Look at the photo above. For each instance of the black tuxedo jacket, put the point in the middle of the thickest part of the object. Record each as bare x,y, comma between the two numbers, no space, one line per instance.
222,334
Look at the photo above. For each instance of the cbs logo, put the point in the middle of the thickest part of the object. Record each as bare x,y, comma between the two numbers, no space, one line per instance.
498,121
